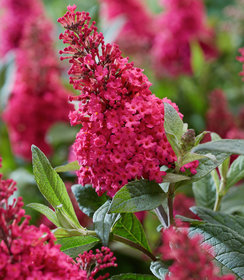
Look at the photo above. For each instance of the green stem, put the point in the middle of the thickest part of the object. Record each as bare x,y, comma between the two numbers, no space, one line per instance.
162,216
134,245
170,203
219,194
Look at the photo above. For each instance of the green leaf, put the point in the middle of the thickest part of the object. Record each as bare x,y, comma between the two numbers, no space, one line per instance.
233,146
205,192
71,166
207,165
75,245
173,126
103,222
159,269
189,157
174,178
87,199
46,211
235,223
64,232
235,173
129,227
137,196
232,202
51,185
228,244
132,276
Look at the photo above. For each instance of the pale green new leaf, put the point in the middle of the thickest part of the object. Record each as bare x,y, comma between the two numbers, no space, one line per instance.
46,211
71,166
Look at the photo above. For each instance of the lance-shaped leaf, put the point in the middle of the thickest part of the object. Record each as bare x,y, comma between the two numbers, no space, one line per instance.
71,166
129,227
103,222
87,199
137,196
225,234
235,223
46,211
233,146
206,165
75,245
51,185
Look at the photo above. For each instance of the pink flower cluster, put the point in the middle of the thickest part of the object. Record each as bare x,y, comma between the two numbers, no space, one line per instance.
122,136
167,36
221,120
28,252
38,99
191,260
93,263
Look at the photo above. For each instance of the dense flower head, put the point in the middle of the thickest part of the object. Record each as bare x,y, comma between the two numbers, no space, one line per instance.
191,259
15,16
29,252
182,22
38,98
122,136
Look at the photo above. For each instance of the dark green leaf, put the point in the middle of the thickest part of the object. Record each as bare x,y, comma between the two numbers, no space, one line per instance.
87,199
205,192
75,245
51,185
129,227
132,276
46,211
233,201
233,146
71,166
103,222
227,244
159,269
236,223
137,196
236,172
207,165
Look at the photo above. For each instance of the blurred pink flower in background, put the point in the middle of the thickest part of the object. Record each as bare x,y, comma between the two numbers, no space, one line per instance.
38,99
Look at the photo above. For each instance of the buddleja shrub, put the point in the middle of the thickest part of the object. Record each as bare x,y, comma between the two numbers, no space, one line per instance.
133,153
